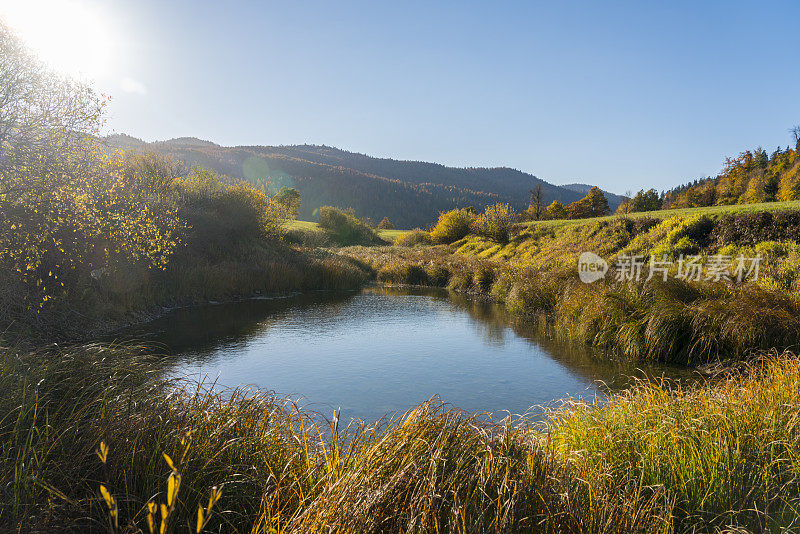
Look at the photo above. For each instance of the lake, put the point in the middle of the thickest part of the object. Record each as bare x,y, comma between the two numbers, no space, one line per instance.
382,350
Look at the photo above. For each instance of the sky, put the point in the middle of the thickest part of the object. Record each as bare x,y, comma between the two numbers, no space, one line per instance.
624,95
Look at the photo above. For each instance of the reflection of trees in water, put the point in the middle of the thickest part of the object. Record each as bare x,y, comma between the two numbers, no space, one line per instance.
199,333
493,322
202,330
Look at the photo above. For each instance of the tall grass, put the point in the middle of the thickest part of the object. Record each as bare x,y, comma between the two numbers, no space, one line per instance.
657,458
726,452
433,469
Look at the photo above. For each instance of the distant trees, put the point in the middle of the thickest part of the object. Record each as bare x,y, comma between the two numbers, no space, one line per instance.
289,199
752,176
643,201
594,204
385,224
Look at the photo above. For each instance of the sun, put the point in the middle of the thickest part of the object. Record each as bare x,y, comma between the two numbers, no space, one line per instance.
68,35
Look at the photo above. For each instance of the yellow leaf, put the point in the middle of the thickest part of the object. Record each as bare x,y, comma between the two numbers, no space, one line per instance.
171,490
169,461
107,496
199,519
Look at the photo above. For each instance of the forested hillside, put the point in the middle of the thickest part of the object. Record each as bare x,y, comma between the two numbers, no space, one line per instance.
753,176
409,193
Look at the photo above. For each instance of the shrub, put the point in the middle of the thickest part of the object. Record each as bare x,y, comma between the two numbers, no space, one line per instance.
438,275
403,273
385,224
98,219
345,228
308,237
453,225
495,222
752,228
461,280
686,236
415,237
483,277
221,216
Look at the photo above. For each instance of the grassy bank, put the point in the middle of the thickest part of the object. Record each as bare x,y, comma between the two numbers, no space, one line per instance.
656,459
691,322
310,226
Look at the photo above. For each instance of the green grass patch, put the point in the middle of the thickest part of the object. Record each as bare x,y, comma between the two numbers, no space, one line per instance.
682,212
388,235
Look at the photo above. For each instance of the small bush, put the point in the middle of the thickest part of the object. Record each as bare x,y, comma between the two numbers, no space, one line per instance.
495,223
453,225
385,224
461,280
413,238
345,228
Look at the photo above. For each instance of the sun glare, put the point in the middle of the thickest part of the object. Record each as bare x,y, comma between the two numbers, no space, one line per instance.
68,35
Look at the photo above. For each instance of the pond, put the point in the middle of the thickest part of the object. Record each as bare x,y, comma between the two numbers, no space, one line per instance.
382,350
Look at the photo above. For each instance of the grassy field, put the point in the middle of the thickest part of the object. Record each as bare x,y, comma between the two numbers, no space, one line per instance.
684,212
389,235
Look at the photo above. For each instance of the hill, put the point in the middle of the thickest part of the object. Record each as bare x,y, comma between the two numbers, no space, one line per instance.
410,193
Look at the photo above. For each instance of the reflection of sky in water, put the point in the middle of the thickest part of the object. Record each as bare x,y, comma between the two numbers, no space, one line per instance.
376,352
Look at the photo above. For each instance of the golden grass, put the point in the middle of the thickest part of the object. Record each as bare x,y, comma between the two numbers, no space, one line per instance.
657,458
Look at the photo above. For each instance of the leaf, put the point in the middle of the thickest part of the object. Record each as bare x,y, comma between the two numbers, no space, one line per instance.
169,462
199,519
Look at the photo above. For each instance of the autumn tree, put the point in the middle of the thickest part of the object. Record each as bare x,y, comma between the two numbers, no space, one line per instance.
594,204
556,210
68,208
385,224
47,121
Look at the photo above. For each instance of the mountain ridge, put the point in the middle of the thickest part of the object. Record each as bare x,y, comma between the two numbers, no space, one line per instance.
411,193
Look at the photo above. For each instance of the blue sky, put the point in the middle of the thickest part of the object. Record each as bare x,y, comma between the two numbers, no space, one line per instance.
620,94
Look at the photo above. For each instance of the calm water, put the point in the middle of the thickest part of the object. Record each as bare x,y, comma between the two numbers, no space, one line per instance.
379,351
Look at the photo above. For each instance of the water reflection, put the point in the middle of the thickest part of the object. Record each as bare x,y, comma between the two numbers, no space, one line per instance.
381,350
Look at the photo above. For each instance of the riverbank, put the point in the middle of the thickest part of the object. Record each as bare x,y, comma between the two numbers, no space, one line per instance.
669,319
656,458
